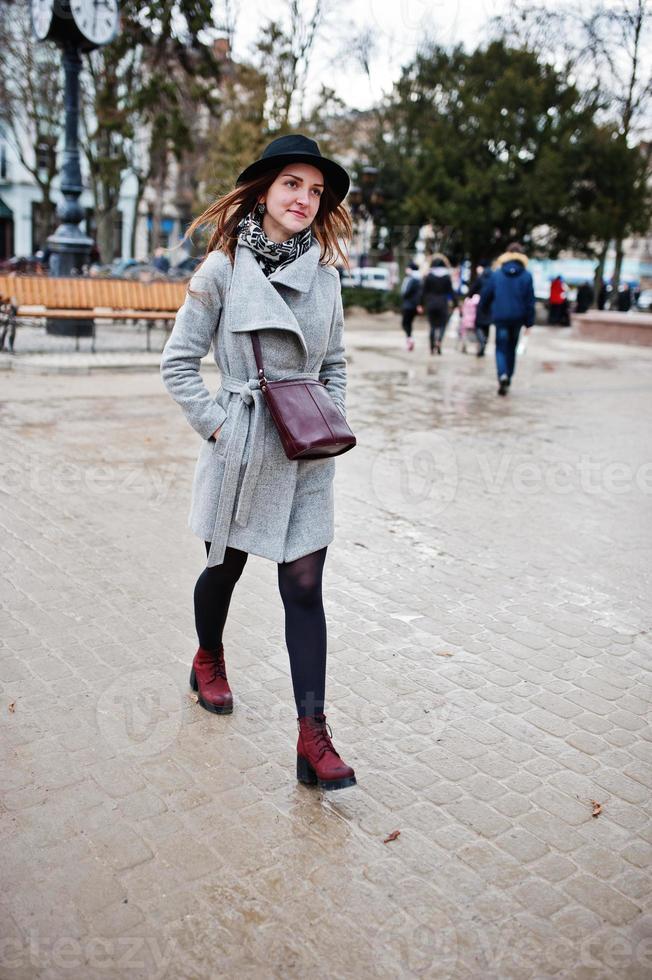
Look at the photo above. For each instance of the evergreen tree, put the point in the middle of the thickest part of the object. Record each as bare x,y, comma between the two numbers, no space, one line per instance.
486,147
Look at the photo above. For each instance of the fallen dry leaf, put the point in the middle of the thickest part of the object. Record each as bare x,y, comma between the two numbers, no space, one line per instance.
194,698
12,707
394,834
443,653
596,807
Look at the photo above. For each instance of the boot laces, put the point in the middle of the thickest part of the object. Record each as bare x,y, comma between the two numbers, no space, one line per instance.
322,735
219,669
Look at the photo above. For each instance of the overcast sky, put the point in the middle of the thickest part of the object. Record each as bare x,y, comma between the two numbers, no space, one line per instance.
398,26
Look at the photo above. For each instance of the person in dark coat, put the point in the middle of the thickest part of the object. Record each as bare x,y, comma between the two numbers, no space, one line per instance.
436,297
483,318
410,301
624,298
584,298
509,295
160,261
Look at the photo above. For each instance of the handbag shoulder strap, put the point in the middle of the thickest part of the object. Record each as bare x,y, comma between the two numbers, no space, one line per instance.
258,354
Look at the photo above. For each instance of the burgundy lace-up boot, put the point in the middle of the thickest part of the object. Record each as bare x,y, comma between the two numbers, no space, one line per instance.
317,760
208,678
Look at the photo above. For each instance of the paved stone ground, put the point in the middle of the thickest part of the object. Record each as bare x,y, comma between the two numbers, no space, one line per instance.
489,677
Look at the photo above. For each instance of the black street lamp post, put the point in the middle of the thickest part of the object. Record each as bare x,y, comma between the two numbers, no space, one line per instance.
76,26
69,247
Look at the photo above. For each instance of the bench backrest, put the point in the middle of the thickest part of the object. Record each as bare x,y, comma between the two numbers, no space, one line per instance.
90,294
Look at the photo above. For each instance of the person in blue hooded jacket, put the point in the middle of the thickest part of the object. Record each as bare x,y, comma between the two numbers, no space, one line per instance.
509,296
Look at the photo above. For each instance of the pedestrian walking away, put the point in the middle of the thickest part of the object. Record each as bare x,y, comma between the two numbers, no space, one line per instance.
269,268
410,301
482,316
509,296
436,297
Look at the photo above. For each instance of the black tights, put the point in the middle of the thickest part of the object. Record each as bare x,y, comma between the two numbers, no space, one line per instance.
299,584
407,319
438,322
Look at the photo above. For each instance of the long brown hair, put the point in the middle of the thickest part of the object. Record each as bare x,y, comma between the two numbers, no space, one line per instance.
331,223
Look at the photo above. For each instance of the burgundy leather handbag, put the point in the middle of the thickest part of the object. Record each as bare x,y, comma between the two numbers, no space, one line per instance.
308,421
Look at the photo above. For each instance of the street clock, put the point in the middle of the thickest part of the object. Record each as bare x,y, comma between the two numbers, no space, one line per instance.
85,23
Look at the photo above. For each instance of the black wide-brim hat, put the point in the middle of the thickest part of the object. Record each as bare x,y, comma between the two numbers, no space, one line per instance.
296,148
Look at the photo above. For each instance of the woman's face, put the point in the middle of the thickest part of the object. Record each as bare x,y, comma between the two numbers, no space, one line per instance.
292,201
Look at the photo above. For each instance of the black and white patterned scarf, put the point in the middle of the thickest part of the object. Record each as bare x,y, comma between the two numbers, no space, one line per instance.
271,255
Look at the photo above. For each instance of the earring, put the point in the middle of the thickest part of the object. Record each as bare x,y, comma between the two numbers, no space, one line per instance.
260,208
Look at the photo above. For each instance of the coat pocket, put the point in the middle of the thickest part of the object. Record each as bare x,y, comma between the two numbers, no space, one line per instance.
223,436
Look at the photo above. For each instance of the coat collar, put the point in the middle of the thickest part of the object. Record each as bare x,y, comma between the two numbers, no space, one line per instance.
255,302
299,274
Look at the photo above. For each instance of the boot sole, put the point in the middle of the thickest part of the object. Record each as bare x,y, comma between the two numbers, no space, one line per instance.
214,708
307,775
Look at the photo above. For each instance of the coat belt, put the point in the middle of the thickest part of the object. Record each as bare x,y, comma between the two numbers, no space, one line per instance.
248,413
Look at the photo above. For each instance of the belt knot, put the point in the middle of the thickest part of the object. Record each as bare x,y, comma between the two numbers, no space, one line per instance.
246,394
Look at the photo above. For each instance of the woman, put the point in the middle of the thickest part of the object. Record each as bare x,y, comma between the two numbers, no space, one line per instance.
436,295
410,300
269,269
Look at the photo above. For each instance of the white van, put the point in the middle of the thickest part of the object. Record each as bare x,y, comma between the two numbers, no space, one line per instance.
369,277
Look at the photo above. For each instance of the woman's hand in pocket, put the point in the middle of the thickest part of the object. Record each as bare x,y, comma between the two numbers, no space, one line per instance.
217,432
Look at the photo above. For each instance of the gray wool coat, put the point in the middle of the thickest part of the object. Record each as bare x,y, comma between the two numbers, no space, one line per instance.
246,493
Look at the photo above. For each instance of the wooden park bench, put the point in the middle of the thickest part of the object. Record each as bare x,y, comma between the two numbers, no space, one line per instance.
154,303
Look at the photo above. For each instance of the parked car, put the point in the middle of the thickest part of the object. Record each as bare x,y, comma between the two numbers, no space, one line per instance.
369,277
31,265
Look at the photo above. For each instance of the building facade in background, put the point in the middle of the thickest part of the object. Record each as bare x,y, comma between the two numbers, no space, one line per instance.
24,230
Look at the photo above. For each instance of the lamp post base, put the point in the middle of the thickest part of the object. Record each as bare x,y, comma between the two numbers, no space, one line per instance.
69,253
70,250
70,328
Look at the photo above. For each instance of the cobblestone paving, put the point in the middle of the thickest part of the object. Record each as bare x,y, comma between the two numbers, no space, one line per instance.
489,678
